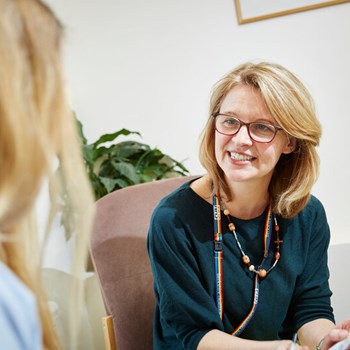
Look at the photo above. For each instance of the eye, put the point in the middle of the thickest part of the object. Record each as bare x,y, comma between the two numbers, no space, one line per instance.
231,122
261,127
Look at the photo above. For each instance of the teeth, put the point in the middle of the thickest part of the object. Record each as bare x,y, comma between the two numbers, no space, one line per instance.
237,156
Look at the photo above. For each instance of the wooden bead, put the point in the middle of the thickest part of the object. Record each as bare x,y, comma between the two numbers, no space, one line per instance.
226,212
231,226
262,273
277,228
246,259
277,255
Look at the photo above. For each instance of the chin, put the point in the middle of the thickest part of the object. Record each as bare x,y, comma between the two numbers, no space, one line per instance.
236,176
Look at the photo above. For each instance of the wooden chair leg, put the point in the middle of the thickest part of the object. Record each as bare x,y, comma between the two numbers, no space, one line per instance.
108,331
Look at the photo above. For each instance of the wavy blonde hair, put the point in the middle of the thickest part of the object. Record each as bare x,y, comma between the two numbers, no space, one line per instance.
37,128
292,106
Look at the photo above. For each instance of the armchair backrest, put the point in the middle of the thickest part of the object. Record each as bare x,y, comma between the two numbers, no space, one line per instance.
119,254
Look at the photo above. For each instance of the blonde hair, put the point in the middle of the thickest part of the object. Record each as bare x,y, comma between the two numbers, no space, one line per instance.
36,128
292,106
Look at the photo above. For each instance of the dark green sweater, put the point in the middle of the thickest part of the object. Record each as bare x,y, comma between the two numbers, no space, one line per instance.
180,245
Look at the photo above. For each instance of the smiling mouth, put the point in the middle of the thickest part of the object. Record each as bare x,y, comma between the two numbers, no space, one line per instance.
241,157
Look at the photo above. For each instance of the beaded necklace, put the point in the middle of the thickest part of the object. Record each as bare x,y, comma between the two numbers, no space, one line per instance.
260,272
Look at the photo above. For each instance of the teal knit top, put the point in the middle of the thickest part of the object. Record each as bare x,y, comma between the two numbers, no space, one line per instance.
180,246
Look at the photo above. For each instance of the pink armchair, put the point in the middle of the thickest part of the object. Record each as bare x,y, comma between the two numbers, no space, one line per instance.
121,262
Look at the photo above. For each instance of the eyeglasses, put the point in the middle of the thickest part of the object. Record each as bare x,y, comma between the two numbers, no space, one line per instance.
257,131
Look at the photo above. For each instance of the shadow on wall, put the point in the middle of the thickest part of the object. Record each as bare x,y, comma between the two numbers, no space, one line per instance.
339,280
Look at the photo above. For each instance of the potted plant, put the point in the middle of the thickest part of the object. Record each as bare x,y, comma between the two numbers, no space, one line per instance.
113,165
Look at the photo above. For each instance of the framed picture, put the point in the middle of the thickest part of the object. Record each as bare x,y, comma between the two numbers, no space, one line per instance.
256,10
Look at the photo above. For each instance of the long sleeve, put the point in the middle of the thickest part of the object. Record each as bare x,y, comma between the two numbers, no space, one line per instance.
311,299
187,309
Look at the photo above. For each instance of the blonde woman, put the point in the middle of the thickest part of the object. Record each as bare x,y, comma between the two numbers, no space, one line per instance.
37,131
239,255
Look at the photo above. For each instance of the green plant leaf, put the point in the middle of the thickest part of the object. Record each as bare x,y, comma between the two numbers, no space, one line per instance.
127,170
130,149
122,183
166,160
111,137
88,154
109,183
80,130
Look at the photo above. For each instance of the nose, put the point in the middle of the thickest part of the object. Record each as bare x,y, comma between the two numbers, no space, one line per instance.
242,137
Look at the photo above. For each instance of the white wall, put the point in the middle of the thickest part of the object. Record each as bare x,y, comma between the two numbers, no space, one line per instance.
150,65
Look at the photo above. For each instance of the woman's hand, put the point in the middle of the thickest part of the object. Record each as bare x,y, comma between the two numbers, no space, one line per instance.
337,334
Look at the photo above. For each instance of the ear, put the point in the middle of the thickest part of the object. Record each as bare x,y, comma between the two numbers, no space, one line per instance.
291,145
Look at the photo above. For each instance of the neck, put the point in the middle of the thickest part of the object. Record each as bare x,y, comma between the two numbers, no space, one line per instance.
247,202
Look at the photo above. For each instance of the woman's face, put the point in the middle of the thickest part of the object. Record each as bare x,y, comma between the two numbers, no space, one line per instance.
241,158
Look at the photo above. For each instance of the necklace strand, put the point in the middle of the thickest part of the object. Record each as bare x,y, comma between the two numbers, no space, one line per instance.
267,238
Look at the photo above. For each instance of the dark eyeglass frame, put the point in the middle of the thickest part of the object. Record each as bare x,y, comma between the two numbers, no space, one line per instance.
276,128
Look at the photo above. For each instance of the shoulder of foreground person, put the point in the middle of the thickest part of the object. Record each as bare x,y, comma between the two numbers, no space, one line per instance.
19,319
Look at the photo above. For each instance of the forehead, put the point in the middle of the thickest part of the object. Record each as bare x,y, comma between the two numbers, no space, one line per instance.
245,102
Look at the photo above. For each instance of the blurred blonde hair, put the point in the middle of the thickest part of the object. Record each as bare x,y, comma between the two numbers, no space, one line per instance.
292,106
37,128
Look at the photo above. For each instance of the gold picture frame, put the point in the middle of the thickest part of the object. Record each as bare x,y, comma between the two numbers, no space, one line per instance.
256,10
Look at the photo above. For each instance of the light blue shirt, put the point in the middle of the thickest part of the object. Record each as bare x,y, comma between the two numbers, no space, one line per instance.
20,327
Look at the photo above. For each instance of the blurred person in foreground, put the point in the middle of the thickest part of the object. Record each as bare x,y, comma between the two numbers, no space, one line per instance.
37,131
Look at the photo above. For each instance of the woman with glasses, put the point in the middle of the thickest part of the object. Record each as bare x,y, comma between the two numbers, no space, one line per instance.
239,256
